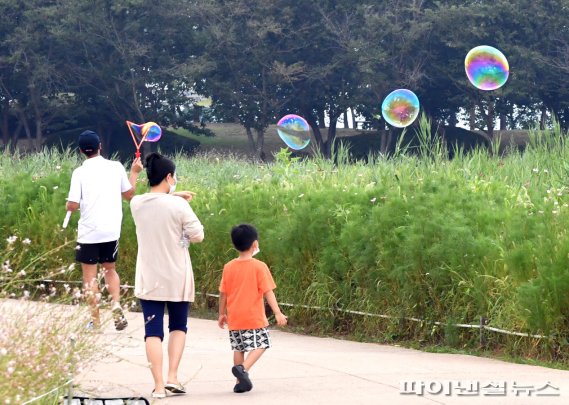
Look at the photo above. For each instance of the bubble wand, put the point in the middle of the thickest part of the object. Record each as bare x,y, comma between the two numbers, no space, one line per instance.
150,132
66,220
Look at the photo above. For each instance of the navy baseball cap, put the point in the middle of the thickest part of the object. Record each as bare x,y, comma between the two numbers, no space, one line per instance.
89,142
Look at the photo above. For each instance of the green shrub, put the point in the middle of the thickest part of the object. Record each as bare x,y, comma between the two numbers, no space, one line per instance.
409,236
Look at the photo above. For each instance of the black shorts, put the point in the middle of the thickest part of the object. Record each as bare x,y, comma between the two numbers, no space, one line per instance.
93,253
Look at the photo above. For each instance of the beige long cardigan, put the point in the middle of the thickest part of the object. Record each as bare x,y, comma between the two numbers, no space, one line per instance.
163,266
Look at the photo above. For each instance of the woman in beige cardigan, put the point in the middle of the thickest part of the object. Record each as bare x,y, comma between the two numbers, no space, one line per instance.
165,226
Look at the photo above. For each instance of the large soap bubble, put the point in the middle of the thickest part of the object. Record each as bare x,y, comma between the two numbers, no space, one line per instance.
400,108
294,131
486,67
152,131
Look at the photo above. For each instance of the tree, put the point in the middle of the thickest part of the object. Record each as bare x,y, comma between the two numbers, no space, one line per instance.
126,58
31,68
241,67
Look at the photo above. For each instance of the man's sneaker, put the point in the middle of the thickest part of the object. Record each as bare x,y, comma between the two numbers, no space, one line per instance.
120,320
92,327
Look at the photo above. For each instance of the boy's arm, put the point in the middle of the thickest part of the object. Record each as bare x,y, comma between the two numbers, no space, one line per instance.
222,320
272,301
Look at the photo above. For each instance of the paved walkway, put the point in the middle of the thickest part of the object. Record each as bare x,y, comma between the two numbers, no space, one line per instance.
310,370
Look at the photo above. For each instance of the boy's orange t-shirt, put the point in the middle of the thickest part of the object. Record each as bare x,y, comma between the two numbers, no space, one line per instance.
244,282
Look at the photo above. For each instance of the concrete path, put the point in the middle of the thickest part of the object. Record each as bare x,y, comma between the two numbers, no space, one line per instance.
310,370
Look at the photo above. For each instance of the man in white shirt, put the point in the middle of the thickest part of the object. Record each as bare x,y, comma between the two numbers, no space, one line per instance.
97,189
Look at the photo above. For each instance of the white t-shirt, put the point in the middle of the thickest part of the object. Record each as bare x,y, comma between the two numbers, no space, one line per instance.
97,186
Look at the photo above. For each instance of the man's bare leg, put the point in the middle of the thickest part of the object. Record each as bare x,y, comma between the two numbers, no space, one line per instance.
91,291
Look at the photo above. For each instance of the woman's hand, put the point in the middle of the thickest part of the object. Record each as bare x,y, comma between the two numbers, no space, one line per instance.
186,195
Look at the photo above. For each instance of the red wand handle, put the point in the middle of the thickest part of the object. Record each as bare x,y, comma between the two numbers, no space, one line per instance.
137,154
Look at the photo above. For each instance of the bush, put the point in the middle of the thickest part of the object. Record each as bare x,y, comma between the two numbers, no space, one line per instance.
425,237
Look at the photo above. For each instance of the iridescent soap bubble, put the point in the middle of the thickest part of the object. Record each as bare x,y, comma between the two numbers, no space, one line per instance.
152,131
486,67
400,108
294,131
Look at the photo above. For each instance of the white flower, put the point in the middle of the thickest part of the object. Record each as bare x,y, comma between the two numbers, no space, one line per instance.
22,273
26,294
55,187
300,196
12,239
58,167
26,241
535,170
3,351
373,200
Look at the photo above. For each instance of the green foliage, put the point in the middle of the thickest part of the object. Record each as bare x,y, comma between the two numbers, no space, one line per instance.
447,241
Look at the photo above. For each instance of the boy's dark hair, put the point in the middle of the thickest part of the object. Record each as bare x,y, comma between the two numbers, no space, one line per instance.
243,236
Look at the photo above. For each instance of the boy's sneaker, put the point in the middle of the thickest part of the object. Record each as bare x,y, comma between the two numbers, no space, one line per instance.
243,377
238,388
120,320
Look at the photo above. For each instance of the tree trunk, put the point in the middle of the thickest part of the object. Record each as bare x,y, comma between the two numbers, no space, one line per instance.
346,122
543,117
5,122
383,145
23,119
331,136
39,133
490,120
16,134
261,144
251,140
503,122
472,118
105,136
321,120
354,125
452,121
315,131
34,99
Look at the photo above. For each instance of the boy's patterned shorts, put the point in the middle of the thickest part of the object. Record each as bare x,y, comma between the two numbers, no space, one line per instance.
246,340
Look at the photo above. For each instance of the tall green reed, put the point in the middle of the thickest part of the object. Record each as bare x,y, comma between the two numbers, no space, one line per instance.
415,235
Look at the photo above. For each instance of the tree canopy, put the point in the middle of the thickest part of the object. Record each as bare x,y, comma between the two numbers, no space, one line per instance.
75,63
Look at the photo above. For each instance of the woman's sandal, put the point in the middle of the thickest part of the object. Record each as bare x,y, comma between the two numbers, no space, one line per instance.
158,395
175,388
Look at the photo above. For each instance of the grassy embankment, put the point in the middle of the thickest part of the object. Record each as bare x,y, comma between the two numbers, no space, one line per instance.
422,237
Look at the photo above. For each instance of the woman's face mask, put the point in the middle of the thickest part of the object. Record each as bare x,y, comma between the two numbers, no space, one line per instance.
173,186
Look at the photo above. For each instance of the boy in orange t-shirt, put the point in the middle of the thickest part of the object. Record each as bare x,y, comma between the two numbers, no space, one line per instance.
244,284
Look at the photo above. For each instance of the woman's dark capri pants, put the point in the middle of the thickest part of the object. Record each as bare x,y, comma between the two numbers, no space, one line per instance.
154,317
